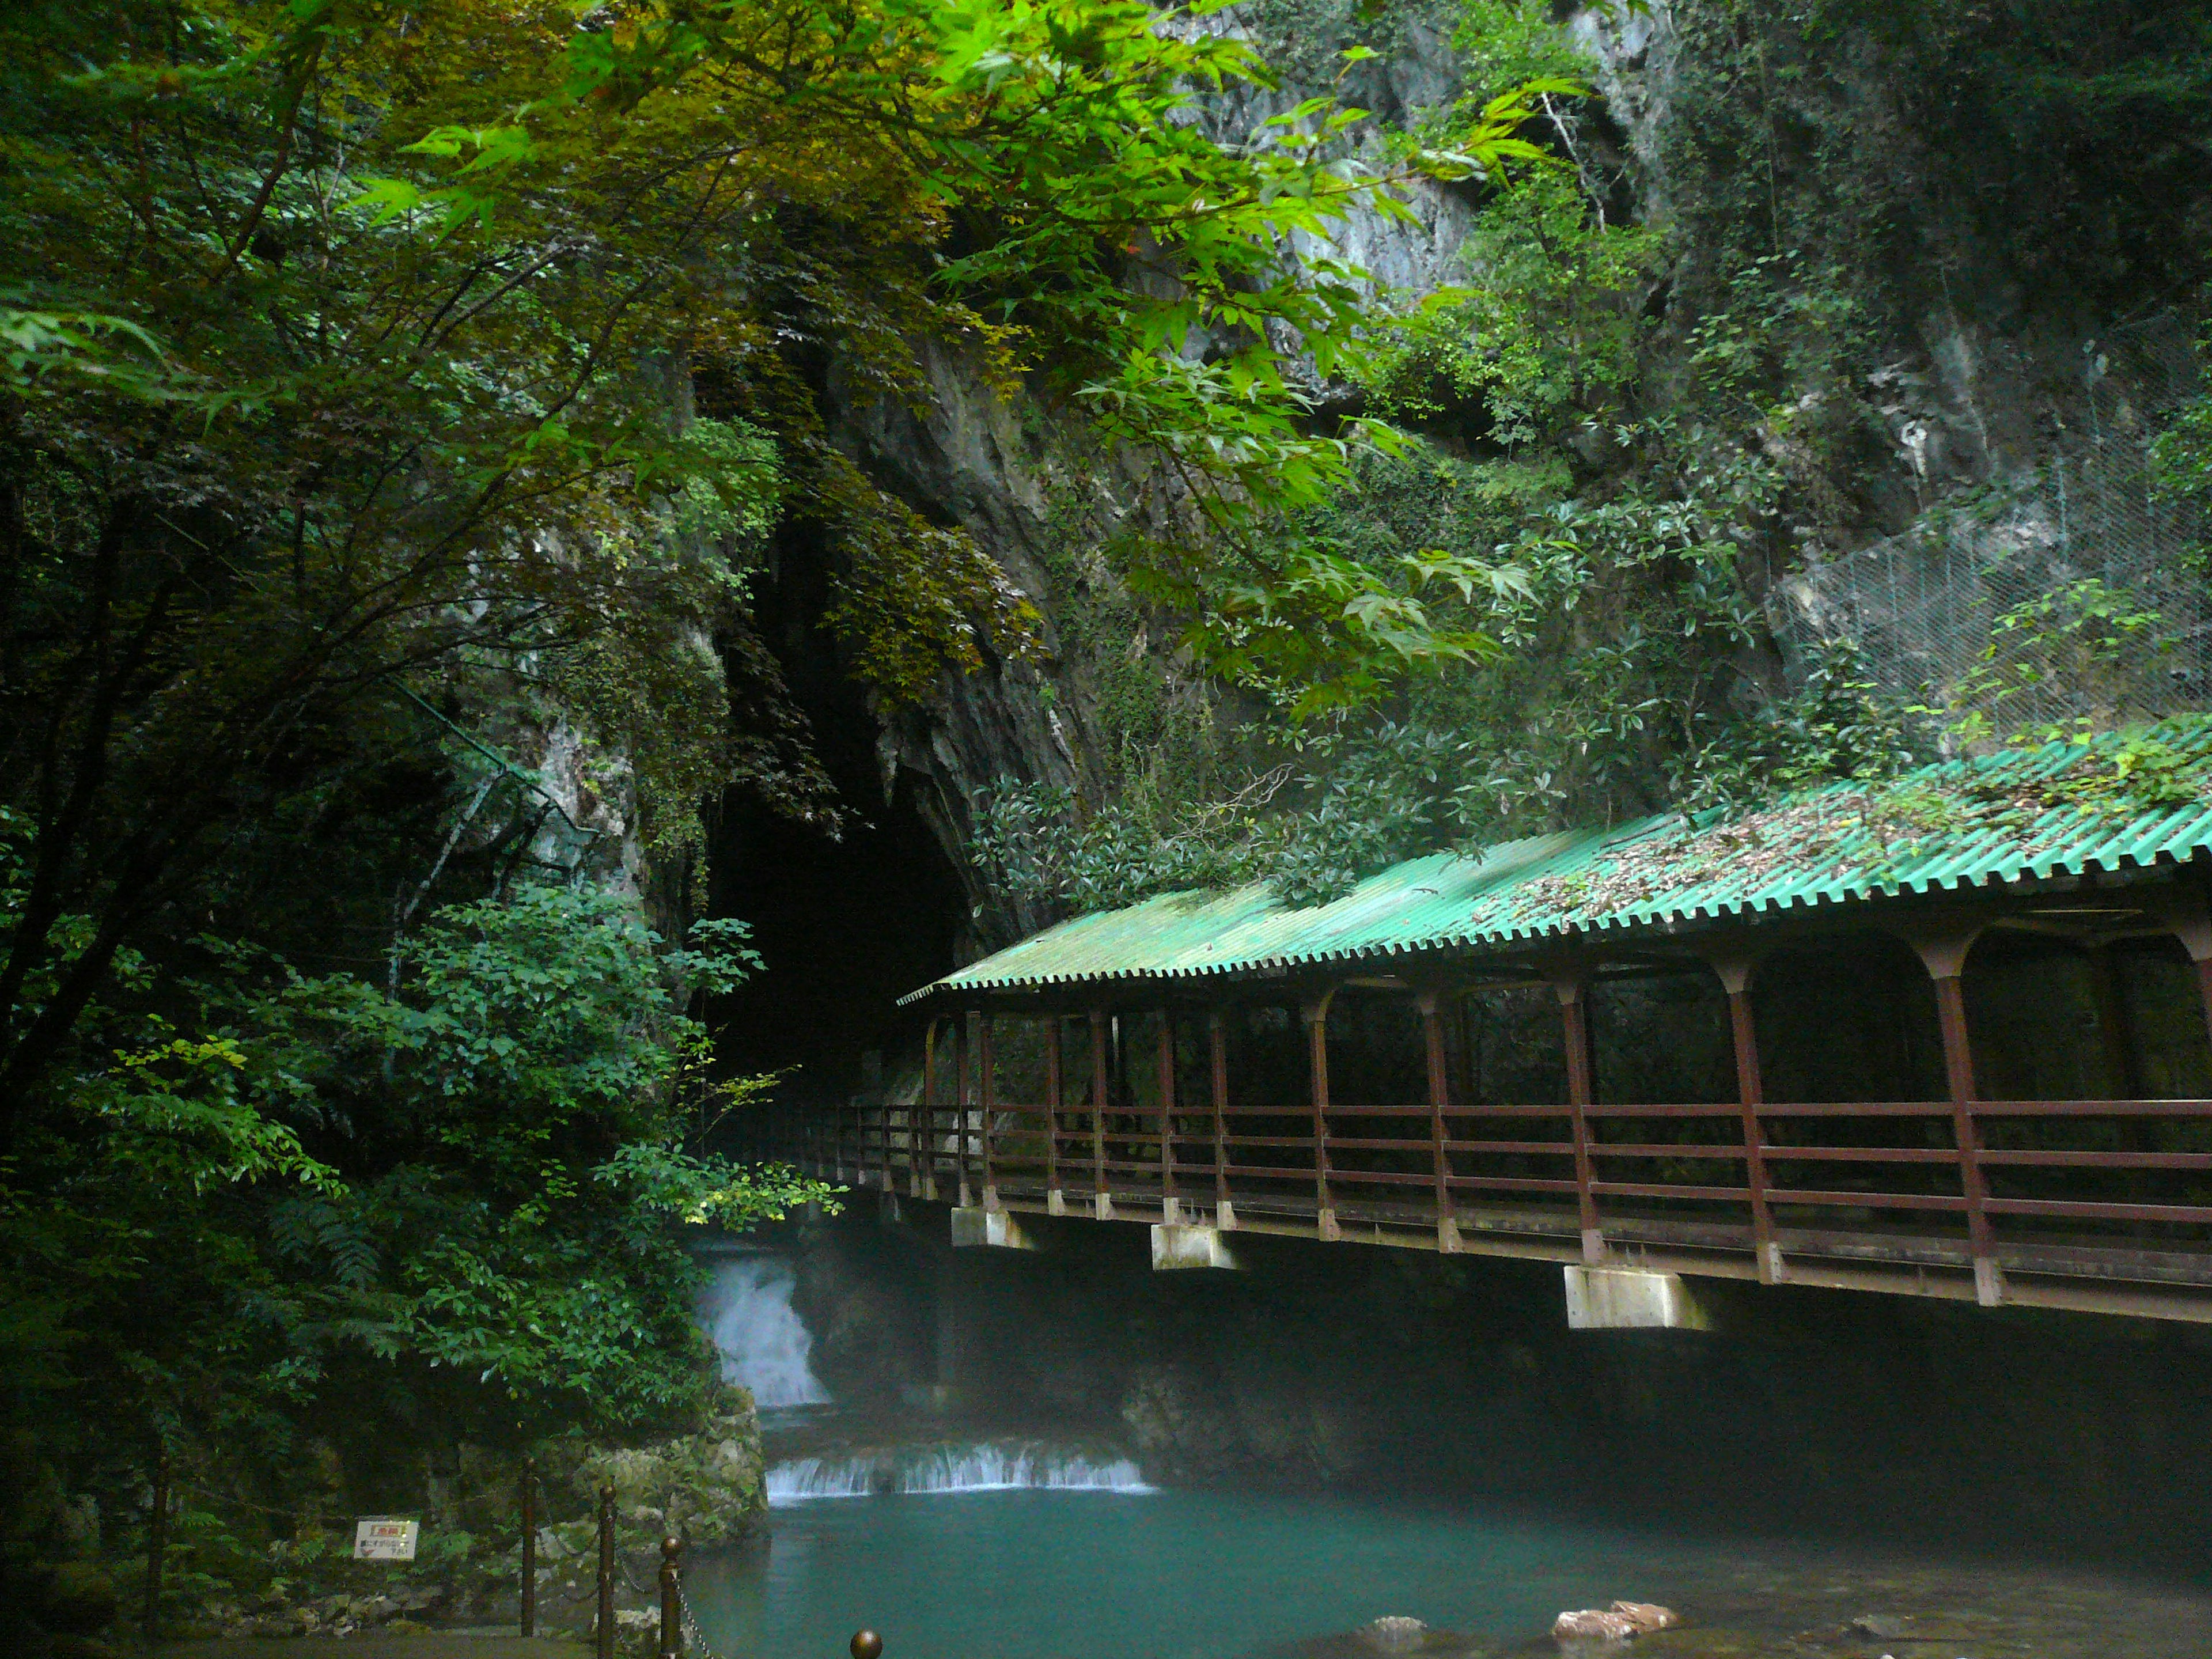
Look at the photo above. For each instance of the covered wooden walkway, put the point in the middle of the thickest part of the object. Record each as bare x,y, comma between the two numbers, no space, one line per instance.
1450,1057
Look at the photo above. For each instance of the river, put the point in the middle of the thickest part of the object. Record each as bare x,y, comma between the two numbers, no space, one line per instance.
1101,1574
999,1547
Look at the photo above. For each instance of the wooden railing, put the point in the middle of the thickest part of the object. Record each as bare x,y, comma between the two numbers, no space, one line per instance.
1977,1180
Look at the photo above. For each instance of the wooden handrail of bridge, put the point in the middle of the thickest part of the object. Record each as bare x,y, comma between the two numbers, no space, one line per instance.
1642,1188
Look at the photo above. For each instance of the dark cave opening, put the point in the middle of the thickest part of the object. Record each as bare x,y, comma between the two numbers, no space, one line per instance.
845,926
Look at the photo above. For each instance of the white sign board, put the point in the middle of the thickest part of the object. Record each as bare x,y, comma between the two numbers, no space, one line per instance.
384,1538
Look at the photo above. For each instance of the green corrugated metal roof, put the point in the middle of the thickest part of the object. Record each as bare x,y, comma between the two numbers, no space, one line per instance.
2023,813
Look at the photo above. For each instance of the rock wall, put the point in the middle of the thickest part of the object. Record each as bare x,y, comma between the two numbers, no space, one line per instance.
1354,1366
1025,482
704,1486
1983,386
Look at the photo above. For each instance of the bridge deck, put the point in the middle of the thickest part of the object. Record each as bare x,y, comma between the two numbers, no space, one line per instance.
2092,1204
1333,1091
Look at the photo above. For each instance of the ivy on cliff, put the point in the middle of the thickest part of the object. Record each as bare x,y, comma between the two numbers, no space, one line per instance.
1647,427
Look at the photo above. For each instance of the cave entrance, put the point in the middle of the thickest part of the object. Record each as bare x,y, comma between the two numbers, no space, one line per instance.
846,927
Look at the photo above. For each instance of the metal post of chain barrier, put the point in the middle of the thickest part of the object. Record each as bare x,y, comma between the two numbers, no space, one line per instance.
866,1644
605,1626
529,1547
671,1599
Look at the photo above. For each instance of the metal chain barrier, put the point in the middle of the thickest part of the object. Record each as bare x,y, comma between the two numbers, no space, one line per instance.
688,1641
694,1641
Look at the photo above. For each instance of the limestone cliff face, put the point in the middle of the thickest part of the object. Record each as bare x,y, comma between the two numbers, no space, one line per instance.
1035,495
965,458
2031,399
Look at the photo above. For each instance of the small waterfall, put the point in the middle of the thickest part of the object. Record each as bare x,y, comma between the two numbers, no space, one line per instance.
820,1477
976,1466
1001,1468
746,1310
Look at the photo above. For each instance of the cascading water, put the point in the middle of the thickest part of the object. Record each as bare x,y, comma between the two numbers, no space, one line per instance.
973,1467
746,1308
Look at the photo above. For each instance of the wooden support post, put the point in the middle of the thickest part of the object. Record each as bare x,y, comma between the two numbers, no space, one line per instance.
1944,955
1735,971
1959,1069
963,1037
1316,1018
1959,1072
920,1176
1428,1000
602,1627
1217,1044
1167,1087
1054,1203
1102,1202
1582,1094
988,1087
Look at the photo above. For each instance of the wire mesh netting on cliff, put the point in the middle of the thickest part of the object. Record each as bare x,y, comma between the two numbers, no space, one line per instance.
2078,593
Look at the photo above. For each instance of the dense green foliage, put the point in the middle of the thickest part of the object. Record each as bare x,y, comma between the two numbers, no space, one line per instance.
349,352
399,404
1636,430
459,1189
298,1229
396,401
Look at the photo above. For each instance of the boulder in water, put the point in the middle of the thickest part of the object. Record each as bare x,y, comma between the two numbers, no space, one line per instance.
1392,1632
1593,1624
1621,1622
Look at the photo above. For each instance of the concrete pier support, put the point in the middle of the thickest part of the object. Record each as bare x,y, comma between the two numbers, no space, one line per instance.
976,1228
1176,1248
1628,1299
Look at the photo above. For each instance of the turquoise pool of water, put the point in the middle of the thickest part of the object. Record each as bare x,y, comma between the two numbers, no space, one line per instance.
1197,1575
